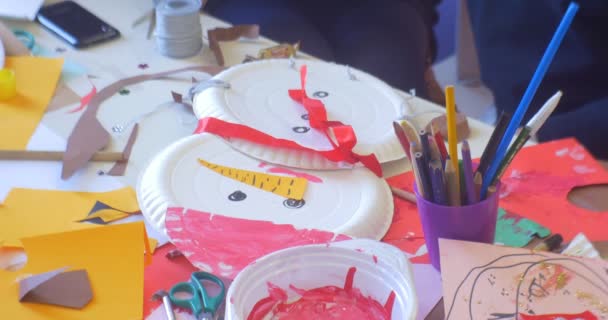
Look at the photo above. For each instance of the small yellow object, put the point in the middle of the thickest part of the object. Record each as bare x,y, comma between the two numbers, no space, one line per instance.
288,187
284,50
8,84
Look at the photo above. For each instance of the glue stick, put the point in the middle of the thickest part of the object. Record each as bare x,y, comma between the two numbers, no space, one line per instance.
8,85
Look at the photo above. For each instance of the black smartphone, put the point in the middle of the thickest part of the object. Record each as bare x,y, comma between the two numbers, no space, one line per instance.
75,24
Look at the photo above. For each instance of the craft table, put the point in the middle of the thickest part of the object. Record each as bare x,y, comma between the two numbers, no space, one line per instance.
134,54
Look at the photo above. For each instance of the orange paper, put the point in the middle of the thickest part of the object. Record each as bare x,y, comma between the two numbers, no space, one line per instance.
112,257
20,115
29,212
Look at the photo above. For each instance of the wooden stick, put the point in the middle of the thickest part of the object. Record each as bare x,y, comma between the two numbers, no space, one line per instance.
36,155
404,195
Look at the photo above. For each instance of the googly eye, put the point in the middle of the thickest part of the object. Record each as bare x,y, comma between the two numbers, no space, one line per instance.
320,94
300,129
294,204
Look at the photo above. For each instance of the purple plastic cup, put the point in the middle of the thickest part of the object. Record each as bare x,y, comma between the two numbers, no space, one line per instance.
476,222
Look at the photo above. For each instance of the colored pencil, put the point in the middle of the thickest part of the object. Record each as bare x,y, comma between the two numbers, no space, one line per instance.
403,140
467,168
490,149
426,146
452,183
477,180
404,195
450,106
435,153
527,132
440,143
425,181
543,113
415,170
491,190
539,74
410,130
438,182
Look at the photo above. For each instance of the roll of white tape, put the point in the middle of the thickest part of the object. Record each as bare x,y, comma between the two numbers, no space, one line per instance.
178,28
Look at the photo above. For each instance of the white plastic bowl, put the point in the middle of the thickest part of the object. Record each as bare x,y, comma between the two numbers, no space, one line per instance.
381,268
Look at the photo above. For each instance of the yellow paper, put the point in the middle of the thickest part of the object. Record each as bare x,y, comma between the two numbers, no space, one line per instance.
288,187
20,115
112,256
29,212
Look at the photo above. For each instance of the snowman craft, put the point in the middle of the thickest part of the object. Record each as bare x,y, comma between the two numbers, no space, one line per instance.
265,174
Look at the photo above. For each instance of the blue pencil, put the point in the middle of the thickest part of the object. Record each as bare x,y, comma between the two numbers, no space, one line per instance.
467,168
538,76
440,195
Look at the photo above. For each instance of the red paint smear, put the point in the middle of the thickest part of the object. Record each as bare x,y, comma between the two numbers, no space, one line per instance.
587,315
162,274
307,176
325,303
537,184
375,258
225,245
84,101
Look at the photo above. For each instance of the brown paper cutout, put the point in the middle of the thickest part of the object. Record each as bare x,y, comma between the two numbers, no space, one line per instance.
64,96
71,289
216,35
462,126
89,136
120,167
12,45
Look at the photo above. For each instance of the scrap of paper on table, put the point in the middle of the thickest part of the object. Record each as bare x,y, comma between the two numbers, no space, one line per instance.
427,281
28,212
482,281
19,116
70,289
112,257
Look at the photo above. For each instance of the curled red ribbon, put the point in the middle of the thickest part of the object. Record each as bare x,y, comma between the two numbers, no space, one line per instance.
344,135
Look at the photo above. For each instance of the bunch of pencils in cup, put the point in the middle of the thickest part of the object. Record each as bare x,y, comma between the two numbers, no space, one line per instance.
440,176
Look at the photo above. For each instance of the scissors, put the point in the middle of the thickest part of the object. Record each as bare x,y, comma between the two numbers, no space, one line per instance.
201,303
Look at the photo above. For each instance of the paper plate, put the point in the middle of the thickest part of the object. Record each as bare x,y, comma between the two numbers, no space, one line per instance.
354,202
380,270
258,97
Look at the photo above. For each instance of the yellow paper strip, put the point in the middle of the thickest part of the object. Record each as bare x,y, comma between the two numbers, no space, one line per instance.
288,187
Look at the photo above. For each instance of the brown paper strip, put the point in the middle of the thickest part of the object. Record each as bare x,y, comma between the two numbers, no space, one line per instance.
70,289
89,136
216,35
119,167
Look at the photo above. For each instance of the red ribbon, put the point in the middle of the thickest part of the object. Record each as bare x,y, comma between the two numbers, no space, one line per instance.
344,135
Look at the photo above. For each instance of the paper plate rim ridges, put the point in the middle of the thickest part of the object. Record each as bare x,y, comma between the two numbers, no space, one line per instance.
212,103
389,263
154,193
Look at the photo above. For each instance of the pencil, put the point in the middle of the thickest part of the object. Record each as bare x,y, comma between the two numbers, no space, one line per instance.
450,106
539,74
490,149
36,155
477,180
452,183
435,153
527,132
410,130
439,141
424,177
438,182
519,142
467,171
426,146
543,113
415,170
404,195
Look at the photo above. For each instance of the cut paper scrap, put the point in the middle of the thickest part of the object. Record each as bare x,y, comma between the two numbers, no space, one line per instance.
427,281
537,183
64,96
70,289
89,136
29,212
162,274
84,101
225,245
515,231
482,281
579,316
287,187
120,167
20,115
104,214
113,259
216,35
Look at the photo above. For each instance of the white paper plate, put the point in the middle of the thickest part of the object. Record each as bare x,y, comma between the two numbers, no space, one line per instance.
259,98
354,202
381,268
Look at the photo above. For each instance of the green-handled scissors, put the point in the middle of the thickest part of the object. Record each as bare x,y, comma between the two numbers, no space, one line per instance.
202,304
